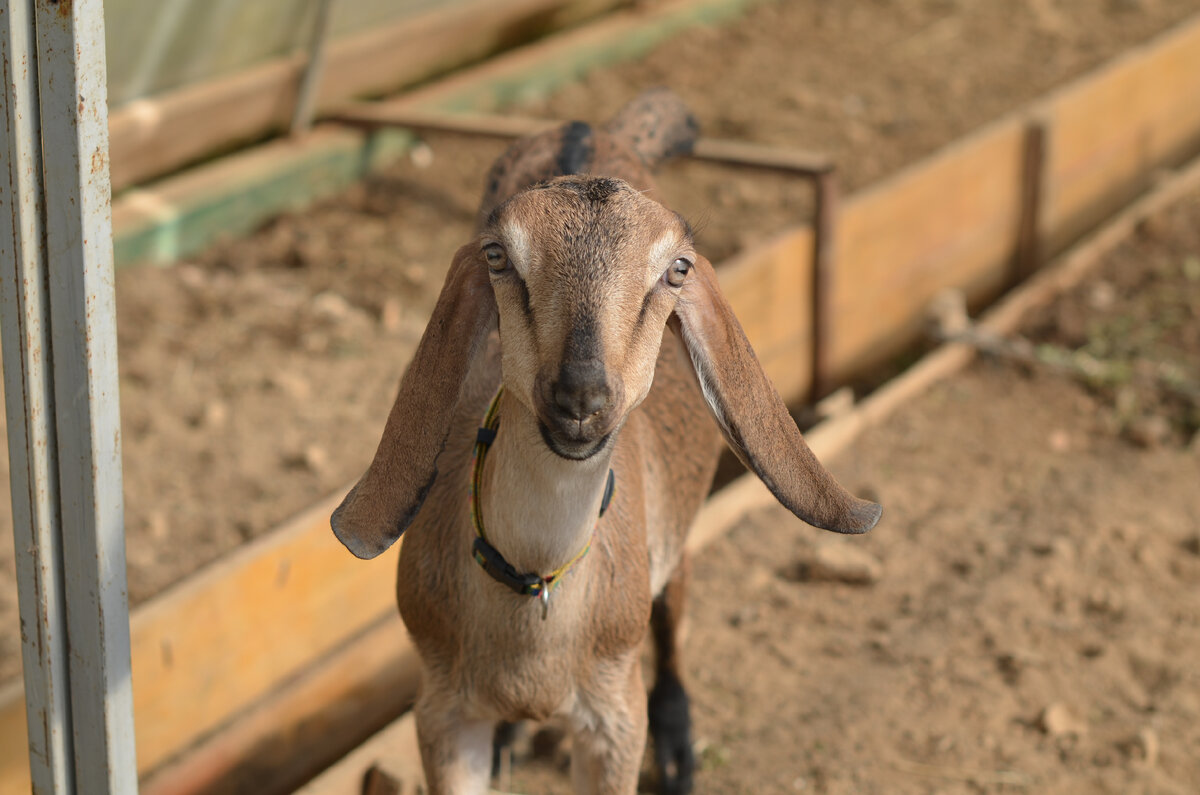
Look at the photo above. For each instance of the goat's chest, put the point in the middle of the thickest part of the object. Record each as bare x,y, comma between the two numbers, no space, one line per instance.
514,662
489,649
519,666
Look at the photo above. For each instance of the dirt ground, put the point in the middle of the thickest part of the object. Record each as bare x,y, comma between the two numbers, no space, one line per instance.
255,378
1028,612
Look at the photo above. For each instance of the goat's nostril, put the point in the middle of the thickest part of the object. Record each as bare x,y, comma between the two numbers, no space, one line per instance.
581,391
580,403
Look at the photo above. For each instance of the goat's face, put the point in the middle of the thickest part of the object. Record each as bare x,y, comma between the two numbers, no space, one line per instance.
586,272
584,275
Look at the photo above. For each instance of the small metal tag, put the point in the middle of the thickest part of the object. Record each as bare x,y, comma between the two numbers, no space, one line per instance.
544,596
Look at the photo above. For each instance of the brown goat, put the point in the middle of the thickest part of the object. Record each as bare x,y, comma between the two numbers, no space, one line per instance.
583,273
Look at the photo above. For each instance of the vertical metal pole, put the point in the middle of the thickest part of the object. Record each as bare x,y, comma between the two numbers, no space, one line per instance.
310,81
1029,238
65,325
73,97
28,388
824,231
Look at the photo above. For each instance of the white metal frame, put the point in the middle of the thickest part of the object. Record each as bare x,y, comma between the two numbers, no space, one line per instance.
58,328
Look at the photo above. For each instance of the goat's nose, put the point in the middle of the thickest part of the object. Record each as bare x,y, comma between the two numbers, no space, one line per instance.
582,388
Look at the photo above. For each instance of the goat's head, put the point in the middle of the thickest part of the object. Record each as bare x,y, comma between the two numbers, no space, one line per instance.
584,274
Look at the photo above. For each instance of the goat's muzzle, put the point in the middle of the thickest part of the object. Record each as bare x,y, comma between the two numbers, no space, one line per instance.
577,408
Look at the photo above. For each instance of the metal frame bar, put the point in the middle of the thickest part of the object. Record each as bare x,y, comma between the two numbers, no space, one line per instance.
817,168
29,393
310,81
1028,255
60,367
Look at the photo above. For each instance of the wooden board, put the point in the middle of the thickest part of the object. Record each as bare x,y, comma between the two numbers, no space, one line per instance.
770,289
163,222
1111,130
160,46
216,643
179,216
222,639
950,220
306,724
14,741
393,750
151,136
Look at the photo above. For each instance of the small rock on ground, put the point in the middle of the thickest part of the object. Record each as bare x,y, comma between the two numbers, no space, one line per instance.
843,563
1057,720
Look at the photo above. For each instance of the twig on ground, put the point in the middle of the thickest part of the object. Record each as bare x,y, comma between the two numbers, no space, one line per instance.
1011,778
950,323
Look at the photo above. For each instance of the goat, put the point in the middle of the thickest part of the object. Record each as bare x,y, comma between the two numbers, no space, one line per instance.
581,274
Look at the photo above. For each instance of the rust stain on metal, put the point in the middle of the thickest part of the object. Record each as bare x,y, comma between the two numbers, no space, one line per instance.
64,6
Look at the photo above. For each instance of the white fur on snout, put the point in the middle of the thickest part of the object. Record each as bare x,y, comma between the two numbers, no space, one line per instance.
520,251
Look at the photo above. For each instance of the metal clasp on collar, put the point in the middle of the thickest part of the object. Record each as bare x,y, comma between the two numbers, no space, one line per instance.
544,598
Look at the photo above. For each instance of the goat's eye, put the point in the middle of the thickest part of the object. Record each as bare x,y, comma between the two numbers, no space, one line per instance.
678,272
497,258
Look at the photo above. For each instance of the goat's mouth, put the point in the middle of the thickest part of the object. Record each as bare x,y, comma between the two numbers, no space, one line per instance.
572,449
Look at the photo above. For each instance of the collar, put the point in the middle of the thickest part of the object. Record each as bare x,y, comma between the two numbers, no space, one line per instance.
486,555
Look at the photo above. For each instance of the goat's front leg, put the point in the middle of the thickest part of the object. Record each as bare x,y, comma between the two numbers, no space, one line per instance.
456,752
608,736
670,721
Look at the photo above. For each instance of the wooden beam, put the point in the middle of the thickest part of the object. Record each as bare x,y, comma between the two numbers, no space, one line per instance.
770,287
214,645
423,120
393,750
231,196
1110,130
14,751
217,643
153,136
307,724
181,215
948,221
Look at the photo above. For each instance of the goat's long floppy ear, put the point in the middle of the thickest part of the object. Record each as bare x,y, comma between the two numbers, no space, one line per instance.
752,414
384,502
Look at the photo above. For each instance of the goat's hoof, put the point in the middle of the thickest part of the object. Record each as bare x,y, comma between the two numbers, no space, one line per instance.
503,740
671,732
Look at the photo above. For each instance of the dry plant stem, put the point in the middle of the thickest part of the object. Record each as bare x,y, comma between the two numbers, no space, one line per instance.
1076,364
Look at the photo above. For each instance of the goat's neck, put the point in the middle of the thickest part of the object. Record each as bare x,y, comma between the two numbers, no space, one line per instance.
539,509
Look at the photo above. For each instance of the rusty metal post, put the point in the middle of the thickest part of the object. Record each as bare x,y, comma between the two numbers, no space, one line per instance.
1027,258
825,189
60,372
